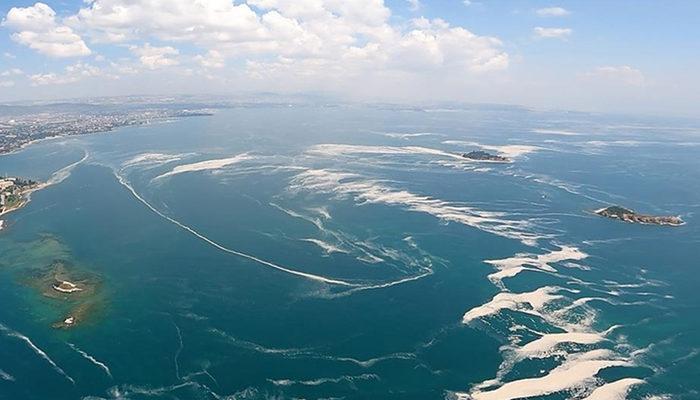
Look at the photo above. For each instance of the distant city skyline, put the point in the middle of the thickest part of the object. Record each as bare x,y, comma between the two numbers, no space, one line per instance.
624,56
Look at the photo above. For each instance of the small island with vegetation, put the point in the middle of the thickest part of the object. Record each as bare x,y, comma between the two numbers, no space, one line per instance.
480,155
624,214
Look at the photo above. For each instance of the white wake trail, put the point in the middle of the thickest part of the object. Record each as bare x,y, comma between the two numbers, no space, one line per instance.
329,248
177,353
309,353
6,377
56,178
63,173
392,283
351,379
231,251
92,359
41,353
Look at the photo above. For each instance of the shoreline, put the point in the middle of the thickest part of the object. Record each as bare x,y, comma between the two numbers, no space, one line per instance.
27,193
24,146
26,196
142,117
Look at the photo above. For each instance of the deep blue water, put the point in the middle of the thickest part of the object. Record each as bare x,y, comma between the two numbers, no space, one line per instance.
340,253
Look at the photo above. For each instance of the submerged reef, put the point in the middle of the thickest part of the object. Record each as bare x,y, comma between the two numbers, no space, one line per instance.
57,289
74,294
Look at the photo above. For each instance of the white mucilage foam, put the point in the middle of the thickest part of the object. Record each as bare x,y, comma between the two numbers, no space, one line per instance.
207,165
368,191
512,266
615,390
336,150
153,159
530,303
577,371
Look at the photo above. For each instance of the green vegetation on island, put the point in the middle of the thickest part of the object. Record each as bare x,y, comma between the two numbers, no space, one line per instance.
627,215
480,155
14,193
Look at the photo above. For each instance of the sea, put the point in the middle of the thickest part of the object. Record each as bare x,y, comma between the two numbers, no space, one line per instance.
351,252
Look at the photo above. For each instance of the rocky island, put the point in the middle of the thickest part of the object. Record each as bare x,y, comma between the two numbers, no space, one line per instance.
480,155
75,293
624,214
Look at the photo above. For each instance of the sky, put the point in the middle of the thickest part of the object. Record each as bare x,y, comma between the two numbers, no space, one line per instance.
631,56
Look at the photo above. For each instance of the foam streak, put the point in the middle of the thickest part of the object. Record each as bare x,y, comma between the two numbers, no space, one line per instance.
231,251
92,359
41,353
576,371
205,165
376,192
615,390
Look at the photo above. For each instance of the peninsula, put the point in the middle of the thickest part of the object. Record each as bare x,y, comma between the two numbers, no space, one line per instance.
21,125
624,214
480,155
14,193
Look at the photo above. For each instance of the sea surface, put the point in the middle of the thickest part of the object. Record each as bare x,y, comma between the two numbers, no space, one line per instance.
350,252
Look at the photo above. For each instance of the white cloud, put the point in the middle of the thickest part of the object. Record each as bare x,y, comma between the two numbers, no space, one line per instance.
618,74
7,84
11,72
414,5
153,57
49,79
434,43
552,33
432,49
36,27
553,12
467,2
73,73
124,68
326,45
213,59
212,21
9,55
331,35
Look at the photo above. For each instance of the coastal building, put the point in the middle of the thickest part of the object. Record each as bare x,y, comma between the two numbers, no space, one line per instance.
6,183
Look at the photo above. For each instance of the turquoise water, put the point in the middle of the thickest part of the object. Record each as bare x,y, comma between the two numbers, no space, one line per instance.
341,253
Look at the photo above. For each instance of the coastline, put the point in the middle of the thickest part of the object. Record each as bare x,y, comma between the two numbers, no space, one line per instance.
24,146
100,122
24,202
26,195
